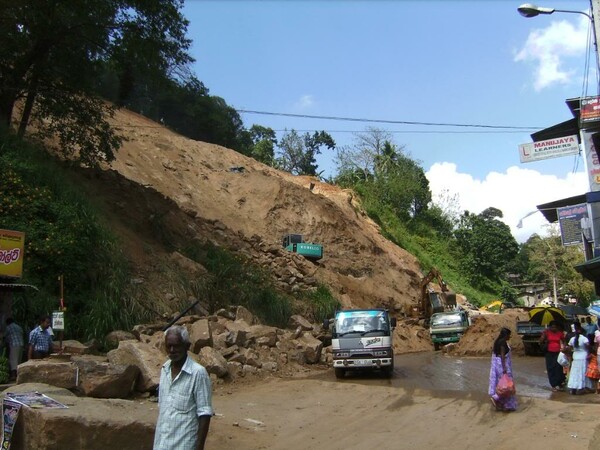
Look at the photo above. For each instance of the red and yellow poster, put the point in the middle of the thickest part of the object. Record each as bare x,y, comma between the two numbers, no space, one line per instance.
12,244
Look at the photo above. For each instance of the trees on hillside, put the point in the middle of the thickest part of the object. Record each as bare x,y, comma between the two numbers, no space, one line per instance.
379,169
53,52
297,154
264,141
486,245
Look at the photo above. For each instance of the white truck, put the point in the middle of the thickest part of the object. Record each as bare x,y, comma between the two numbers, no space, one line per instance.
362,340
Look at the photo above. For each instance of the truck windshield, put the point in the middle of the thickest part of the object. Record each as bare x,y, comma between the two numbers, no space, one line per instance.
446,320
362,323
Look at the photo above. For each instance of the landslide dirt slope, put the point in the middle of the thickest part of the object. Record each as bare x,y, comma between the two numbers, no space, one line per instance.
204,191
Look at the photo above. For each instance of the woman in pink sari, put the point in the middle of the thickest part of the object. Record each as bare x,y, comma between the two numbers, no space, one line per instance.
501,364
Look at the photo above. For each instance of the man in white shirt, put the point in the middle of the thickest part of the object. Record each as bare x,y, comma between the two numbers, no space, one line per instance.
184,399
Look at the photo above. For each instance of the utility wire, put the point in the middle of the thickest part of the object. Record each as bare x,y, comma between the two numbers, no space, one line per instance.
401,122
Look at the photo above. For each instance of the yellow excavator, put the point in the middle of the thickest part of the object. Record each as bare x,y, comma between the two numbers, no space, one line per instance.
437,299
494,305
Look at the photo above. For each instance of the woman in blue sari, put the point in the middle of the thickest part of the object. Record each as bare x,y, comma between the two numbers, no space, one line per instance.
501,364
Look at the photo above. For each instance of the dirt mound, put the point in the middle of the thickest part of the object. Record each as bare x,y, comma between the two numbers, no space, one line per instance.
164,184
480,337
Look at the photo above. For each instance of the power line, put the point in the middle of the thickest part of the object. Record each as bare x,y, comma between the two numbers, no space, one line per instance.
400,122
408,131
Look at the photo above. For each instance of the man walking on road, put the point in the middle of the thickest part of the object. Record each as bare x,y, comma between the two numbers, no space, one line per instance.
40,340
184,397
14,339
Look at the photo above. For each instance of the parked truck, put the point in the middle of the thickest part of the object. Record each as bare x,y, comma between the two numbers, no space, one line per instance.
447,327
362,340
295,243
530,333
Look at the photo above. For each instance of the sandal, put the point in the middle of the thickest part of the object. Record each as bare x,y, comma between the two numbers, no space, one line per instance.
498,408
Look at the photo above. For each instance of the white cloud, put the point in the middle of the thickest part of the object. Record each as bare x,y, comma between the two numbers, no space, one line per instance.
548,47
515,192
306,101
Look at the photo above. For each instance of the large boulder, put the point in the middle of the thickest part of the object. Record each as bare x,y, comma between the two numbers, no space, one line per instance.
242,313
263,335
87,423
200,335
100,379
311,348
57,373
113,338
73,347
297,321
239,332
145,357
213,362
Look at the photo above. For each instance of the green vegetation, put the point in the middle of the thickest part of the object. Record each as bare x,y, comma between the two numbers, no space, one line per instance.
231,280
64,236
474,252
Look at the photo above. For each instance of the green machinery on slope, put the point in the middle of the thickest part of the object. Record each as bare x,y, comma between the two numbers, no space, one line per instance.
295,243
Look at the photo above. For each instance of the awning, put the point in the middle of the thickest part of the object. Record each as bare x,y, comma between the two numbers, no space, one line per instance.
567,128
590,269
549,209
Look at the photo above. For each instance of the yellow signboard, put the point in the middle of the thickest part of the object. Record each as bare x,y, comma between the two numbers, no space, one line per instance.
12,244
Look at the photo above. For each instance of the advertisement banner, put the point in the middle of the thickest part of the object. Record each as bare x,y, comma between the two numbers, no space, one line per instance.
590,110
10,414
593,163
550,148
12,244
570,219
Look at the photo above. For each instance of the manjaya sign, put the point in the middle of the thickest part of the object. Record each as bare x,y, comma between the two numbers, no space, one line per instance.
550,148
12,244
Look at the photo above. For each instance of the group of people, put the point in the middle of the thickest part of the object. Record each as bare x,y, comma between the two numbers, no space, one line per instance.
571,361
572,357
39,343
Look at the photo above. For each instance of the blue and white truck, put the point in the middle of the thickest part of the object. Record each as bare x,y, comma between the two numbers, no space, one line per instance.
362,340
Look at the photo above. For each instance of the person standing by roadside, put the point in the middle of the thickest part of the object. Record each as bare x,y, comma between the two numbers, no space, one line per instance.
14,340
40,340
184,397
501,364
578,382
589,327
553,339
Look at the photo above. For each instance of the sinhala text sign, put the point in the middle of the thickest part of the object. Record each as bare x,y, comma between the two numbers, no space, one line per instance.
590,110
550,148
570,219
12,244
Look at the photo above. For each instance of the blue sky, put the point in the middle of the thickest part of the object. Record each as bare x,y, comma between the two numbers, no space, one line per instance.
464,62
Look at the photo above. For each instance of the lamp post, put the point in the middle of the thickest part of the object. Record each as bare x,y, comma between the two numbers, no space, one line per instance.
528,10
586,130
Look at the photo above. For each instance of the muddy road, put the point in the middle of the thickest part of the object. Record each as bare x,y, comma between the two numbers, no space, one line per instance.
432,401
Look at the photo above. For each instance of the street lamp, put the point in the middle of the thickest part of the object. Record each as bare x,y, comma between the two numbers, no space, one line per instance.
528,10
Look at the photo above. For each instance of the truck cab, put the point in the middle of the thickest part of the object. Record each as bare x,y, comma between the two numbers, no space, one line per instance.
362,340
447,327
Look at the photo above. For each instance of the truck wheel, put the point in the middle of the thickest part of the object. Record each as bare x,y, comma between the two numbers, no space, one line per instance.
436,346
339,373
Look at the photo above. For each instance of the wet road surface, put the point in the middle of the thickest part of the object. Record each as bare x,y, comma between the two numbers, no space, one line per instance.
437,372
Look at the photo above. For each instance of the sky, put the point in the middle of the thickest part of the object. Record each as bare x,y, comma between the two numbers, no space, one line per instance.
467,62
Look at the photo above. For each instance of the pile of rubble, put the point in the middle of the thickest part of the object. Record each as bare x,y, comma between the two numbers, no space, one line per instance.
230,344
